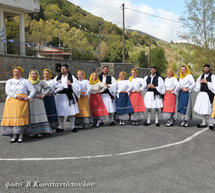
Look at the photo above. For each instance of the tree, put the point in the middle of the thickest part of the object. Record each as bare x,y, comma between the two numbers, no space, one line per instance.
199,25
158,59
143,59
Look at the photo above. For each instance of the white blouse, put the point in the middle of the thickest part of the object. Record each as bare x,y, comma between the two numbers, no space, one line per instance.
187,82
137,84
123,85
19,86
171,84
75,85
112,86
211,85
97,88
85,86
55,85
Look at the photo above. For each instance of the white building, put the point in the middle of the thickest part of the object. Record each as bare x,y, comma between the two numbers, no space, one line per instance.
15,7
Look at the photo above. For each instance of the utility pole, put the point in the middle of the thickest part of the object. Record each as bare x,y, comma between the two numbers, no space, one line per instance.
149,55
100,23
59,44
123,33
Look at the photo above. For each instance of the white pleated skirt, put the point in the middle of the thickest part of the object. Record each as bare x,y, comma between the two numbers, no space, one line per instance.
203,105
109,103
152,102
64,108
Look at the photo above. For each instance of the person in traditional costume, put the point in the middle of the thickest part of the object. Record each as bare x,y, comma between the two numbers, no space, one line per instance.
15,119
169,102
84,117
212,120
123,103
49,100
205,85
155,89
109,94
67,99
136,97
38,117
97,106
185,87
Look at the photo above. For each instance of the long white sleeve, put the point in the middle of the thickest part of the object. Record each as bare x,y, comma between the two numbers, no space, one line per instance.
198,85
113,86
8,91
76,87
161,87
211,85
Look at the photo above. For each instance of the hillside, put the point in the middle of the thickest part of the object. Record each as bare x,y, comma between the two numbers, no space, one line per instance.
79,33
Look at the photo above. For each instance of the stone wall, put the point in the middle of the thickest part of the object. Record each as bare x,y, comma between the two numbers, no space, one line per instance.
7,62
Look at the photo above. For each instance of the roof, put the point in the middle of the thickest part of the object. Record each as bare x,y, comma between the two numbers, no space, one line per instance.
27,6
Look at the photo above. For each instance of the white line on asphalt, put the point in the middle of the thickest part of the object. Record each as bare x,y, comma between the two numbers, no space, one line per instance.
109,155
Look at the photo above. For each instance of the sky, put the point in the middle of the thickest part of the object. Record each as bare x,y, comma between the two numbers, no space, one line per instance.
166,30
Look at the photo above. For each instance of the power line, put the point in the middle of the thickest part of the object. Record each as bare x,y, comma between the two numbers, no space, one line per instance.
168,19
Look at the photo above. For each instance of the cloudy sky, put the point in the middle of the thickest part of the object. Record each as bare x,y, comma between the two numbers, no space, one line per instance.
110,10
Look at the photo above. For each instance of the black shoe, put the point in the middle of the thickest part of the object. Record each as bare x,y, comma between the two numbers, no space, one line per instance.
74,130
157,124
201,126
111,124
59,130
211,127
101,123
146,124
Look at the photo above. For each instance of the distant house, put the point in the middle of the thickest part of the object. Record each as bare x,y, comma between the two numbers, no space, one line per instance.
12,8
52,53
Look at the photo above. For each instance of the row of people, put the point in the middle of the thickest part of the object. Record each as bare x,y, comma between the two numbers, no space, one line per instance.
90,102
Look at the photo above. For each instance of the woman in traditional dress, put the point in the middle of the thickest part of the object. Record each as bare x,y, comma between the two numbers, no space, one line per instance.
136,97
185,87
15,118
169,102
97,106
38,116
49,100
84,117
123,103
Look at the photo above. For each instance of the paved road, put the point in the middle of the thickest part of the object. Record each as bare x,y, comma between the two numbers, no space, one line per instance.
187,167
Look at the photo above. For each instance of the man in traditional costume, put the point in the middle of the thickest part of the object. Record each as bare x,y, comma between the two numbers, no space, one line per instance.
153,98
169,102
84,117
185,87
97,106
136,97
15,119
205,85
123,103
49,100
38,117
67,99
109,94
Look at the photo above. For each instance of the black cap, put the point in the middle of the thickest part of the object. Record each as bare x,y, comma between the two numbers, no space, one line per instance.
155,67
65,65
207,65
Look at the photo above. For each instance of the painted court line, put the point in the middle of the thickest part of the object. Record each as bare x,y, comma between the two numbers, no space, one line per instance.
109,155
